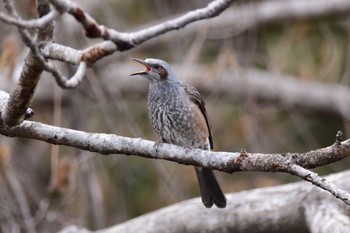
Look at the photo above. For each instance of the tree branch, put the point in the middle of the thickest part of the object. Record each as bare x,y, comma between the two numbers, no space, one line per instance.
32,23
265,210
223,161
320,182
236,20
13,113
121,41
324,215
250,15
126,41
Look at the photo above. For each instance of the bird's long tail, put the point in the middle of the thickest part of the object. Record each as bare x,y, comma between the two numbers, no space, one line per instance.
209,187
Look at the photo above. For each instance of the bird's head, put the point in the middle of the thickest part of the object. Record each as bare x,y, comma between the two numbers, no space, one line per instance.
156,70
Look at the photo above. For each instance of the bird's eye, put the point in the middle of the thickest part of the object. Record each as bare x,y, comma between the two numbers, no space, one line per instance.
156,66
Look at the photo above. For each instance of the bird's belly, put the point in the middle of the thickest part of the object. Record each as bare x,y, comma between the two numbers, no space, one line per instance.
177,126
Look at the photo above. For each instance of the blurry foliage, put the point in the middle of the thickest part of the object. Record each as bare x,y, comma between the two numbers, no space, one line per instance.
131,186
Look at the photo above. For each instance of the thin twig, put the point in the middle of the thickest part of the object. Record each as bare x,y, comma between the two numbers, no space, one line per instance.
32,23
63,81
320,182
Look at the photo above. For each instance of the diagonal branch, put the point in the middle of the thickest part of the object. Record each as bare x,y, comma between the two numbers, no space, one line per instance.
240,18
14,111
126,41
320,182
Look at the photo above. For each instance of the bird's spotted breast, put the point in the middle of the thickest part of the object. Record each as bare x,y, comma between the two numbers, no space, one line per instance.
175,119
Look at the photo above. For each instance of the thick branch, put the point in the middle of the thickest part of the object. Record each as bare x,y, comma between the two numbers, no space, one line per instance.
324,215
223,161
265,210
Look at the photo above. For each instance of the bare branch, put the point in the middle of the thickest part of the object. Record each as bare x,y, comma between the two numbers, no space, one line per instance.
44,35
235,20
61,53
254,14
265,210
323,214
223,161
249,15
126,41
67,54
32,23
14,111
92,54
320,182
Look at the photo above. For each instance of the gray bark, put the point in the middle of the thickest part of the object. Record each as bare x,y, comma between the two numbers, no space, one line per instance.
292,208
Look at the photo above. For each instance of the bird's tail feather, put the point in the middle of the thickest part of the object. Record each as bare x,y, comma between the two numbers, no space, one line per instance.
209,187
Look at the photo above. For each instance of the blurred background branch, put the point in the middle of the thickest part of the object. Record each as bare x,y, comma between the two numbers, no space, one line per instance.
264,210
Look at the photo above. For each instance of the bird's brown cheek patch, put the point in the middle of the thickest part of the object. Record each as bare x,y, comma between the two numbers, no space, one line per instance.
163,73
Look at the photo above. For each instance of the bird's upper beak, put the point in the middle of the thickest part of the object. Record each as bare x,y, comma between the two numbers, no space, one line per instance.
147,66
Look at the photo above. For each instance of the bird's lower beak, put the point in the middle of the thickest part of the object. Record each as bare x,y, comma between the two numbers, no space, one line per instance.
148,67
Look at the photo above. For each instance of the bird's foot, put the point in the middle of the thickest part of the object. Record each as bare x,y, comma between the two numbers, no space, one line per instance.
189,148
157,144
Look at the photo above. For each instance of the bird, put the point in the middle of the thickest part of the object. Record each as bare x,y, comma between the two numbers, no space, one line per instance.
178,116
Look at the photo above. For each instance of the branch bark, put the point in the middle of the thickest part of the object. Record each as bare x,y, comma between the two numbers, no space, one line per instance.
126,41
292,163
246,16
13,113
237,19
32,23
265,210
324,215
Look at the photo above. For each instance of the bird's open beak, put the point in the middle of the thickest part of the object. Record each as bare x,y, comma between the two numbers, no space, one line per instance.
148,67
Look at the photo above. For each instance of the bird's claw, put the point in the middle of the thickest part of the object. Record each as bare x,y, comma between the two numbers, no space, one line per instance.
157,144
